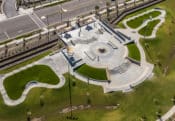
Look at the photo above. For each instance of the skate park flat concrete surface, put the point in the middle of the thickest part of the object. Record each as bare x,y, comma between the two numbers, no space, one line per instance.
100,49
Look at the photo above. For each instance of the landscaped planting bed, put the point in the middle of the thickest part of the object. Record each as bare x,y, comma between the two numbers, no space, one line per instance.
16,83
133,52
135,23
148,29
91,72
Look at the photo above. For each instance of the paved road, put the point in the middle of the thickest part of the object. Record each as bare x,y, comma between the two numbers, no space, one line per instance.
74,8
9,8
16,26
23,24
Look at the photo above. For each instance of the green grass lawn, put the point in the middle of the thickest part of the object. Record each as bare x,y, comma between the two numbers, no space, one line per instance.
133,52
135,23
16,83
148,29
145,100
91,72
36,58
133,105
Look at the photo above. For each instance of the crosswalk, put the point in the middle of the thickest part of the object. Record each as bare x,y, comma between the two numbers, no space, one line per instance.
37,20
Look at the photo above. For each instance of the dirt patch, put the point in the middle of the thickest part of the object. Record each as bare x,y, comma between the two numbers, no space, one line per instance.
38,119
84,107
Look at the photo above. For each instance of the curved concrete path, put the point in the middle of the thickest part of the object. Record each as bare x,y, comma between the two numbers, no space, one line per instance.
168,115
50,63
171,112
123,81
9,8
161,17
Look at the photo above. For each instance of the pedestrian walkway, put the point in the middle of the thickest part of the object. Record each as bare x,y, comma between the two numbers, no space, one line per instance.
45,61
161,17
110,59
168,115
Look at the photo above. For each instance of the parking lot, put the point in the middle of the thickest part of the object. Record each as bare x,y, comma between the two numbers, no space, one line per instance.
23,24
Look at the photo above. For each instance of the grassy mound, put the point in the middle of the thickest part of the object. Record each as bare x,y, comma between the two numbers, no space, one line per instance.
134,52
91,72
16,83
135,23
148,29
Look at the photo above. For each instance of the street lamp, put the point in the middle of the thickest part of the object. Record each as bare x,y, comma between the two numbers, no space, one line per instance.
45,18
62,10
61,13
47,21
70,94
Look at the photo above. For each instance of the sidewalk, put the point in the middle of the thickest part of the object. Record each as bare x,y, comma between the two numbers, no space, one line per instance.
11,102
153,35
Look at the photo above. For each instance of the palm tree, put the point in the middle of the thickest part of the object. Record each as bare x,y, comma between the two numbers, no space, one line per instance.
55,30
29,3
68,23
97,10
78,21
40,34
108,10
134,3
18,3
6,49
116,7
24,43
48,33
88,98
34,4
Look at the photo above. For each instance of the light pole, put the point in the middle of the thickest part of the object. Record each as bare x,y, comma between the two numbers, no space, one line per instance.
47,22
61,13
62,10
70,94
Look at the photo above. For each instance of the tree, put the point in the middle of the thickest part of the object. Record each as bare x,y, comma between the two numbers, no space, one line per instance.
116,7
24,43
134,3
143,118
40,34
29,115
18,3
173,100
125,4
6,49
158,114
97,10
68,23
108,10
41,100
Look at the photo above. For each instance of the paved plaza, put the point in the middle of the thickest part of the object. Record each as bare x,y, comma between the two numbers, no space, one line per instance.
92,42
95,45
98,47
